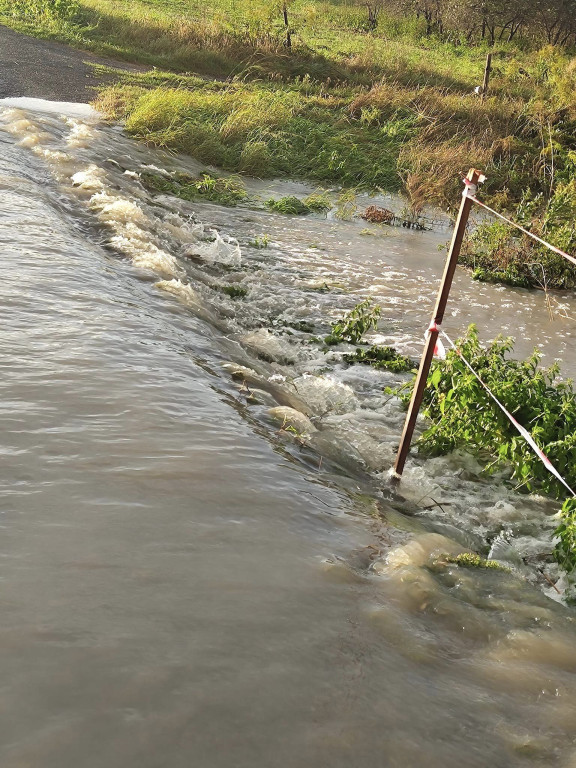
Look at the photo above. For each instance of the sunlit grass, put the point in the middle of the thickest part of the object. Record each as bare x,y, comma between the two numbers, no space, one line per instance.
390,109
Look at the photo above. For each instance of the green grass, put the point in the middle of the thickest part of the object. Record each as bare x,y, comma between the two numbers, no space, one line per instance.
317,203
263,129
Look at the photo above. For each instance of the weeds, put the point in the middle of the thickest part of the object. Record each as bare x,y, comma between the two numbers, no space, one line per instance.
381,358
260,242
500,253
293,205
262,129
227,191
42,11
352,327
395,117
318,203
346,105
288,205
234,291
346,205
473,560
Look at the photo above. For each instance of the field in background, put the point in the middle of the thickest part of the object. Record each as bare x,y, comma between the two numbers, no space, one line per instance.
387,108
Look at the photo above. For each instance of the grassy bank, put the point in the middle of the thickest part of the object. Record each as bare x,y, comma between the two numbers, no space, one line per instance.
387,107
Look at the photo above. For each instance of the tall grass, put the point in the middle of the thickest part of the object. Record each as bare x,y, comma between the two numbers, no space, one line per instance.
265,129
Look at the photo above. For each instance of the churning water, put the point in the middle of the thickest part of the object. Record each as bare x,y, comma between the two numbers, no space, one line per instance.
202,563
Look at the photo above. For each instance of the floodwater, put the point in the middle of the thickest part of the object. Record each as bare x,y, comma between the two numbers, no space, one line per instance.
202,562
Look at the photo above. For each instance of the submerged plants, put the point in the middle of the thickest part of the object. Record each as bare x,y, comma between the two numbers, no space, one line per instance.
352,327
316,203
384,358
226,190
260,242
290,205
234,291
473,560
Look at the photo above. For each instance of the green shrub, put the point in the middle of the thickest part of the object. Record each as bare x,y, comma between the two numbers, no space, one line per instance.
500,253
508,277
463,416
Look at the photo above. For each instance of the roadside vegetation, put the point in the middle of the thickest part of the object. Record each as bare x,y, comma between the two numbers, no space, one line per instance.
463,416
502,254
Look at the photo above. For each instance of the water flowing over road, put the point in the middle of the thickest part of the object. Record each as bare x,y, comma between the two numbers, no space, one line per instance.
186,580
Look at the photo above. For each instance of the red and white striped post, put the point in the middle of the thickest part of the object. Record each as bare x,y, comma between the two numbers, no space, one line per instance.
472,180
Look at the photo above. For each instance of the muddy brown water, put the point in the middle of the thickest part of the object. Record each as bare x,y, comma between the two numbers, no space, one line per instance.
182,585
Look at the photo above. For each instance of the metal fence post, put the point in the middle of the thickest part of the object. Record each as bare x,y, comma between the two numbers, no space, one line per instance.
487,70
473,178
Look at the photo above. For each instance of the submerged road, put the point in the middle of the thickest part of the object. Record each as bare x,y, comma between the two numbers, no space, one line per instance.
47,69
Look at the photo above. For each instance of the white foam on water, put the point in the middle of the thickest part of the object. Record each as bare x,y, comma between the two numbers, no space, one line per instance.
117,210
269,346
324,394
91,179
222,250
33,139
183,291
185,230
81,134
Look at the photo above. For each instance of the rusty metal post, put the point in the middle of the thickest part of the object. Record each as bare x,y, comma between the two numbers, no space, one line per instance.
472,181
487,70
287,26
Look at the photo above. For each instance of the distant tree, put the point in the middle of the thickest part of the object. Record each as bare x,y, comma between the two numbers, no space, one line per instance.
373,8
433,13
552,21
558,20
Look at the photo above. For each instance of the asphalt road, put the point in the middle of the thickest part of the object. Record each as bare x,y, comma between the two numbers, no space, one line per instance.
47,70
